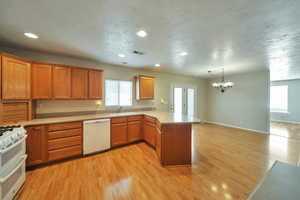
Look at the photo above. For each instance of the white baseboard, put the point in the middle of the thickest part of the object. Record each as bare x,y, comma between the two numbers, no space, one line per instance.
232,126
284,121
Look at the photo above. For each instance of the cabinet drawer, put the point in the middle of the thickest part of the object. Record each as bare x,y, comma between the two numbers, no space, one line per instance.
65,153
64,133
135,118
117,120
64,142
149,119
64,126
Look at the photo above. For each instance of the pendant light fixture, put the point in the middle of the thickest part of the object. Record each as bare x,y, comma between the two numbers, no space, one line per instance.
223,85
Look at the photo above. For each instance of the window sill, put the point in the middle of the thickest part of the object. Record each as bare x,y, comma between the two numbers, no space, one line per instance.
279,111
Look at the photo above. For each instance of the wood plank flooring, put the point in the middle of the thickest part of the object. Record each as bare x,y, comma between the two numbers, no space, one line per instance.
227,164
285,130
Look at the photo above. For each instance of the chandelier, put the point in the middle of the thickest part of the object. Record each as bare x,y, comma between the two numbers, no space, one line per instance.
223,85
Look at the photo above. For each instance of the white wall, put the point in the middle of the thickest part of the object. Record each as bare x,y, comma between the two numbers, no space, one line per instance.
246,105
293,114
162,86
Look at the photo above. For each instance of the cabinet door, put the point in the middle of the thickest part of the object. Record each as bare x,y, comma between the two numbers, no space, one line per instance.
118,134
61,82
95,84
146,87
41,81
134,131
149,134
36,145
79,83
15,79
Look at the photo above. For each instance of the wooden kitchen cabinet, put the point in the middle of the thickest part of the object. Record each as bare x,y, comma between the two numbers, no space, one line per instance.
118,134
36,145
16,75
158,143
41,81
95,84
134,131
61,82
79,83
64,140
144,87
150,133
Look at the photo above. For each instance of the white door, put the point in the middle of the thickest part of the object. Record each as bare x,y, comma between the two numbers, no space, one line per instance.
183,100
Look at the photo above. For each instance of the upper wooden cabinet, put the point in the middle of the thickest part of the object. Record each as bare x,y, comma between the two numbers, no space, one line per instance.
95,84
15,78
41,81
61,82
79,83
144,87
25,80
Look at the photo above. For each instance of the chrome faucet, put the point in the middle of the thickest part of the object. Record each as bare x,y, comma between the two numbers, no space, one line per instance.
120,109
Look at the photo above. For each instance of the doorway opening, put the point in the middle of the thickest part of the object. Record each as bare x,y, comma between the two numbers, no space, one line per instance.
183,100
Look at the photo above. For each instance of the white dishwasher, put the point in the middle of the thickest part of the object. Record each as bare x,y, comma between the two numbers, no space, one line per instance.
96,136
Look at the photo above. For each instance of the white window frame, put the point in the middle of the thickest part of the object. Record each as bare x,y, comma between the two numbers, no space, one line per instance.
118,105
280,110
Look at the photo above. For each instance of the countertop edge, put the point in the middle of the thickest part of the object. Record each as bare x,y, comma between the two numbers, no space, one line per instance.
54,120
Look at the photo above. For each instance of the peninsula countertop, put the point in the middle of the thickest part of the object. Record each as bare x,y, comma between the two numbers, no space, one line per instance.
163,117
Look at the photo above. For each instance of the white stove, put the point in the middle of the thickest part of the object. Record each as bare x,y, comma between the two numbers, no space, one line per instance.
12,160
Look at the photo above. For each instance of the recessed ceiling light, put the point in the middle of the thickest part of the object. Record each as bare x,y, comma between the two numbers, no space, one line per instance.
157,65
31,35
141,33
121,55
183,53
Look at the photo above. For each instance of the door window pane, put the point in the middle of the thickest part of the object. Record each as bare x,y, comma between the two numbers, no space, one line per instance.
190,101
178,100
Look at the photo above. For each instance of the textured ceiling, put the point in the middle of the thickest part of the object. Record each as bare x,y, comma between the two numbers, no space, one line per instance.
239,35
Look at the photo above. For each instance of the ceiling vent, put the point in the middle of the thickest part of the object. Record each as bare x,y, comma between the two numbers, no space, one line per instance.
138,52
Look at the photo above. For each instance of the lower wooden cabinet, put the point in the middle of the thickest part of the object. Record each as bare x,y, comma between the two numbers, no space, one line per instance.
53,142
64,140
134,131
36,145
150,133
65,153
158,143
118,134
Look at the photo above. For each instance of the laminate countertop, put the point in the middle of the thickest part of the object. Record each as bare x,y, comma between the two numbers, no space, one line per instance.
163,117
281,183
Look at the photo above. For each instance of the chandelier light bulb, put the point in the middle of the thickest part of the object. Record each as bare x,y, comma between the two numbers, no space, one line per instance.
223,85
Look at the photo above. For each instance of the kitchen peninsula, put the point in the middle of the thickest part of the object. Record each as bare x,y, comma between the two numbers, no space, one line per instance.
169,134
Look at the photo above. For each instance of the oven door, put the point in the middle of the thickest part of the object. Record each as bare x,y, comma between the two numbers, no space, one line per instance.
12,182
10,156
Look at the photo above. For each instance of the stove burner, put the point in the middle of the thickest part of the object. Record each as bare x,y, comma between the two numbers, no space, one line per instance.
3,129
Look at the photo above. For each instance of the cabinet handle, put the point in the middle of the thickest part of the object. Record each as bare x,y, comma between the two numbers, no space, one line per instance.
36,129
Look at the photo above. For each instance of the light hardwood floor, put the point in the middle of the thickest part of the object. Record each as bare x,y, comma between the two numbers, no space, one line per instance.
228,163
285,130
